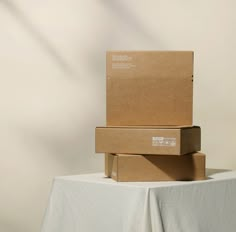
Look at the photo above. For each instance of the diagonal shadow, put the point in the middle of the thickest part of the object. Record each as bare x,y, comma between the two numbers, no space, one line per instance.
126,15
37,35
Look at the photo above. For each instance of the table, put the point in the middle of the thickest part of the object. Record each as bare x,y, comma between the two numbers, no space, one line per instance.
94,203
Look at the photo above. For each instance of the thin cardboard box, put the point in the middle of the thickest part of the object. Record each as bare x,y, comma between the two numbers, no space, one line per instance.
148,140
149,88
125,167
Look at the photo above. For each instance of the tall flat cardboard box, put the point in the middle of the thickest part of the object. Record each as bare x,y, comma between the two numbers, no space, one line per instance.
156,168
148,140
149,88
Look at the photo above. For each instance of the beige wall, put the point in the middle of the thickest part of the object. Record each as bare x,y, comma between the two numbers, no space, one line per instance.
52,89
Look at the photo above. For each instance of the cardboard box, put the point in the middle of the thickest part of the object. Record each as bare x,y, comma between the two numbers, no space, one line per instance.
108,164
149,88
157,168
148,140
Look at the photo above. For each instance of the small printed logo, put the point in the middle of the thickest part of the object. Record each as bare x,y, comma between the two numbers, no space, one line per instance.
121,58
157,138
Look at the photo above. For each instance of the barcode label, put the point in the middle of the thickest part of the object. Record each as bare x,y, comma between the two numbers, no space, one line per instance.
163,141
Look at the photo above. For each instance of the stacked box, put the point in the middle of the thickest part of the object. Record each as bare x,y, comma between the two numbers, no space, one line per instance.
149,134
152,141
149,88
124,167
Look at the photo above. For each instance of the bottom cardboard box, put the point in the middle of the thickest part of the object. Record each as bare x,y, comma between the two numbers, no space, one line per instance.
124,167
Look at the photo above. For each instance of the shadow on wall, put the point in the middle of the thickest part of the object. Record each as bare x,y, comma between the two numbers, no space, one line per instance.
45,44
126,16
70,149
7,226
124,21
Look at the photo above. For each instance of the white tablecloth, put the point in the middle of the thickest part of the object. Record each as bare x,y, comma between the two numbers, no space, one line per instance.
93,203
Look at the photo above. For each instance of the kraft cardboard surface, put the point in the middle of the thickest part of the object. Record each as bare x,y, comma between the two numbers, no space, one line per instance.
157,168
142,140
149,88
108,164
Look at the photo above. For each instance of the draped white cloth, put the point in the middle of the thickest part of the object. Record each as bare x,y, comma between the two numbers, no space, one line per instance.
93,203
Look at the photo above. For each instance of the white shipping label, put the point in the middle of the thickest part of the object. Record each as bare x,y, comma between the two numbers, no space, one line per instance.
163,141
